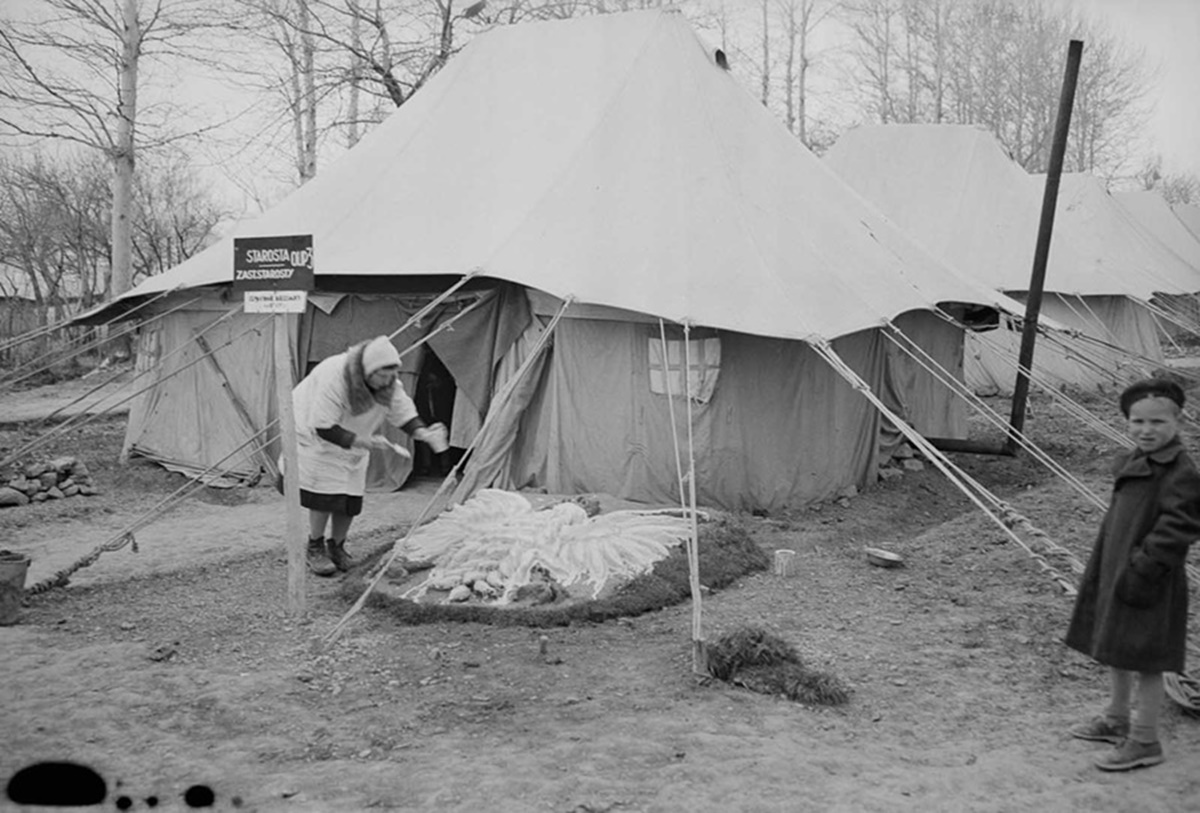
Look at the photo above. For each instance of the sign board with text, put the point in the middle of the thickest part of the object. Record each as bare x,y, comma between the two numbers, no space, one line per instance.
282,263
274,301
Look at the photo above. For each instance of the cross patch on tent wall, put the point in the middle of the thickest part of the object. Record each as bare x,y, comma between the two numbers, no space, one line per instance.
704,357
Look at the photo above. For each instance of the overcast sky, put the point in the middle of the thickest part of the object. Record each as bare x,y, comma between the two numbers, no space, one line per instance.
1169,30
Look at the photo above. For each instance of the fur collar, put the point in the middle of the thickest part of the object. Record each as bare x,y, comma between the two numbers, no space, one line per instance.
360,394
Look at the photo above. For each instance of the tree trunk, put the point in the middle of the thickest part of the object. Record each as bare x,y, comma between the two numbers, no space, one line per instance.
309,104
121,279
310,99
789,75
766,56
356,71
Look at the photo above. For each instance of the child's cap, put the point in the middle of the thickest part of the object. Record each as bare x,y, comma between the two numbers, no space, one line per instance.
1148,388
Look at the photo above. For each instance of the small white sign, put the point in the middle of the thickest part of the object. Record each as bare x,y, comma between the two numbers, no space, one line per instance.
274,301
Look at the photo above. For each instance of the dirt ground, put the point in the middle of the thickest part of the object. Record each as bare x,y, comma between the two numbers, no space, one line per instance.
178,667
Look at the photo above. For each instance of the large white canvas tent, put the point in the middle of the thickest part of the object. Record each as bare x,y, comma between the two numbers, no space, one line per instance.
953,188
1154,215
1189,216
1165,283
1124,246
1152,212
609,164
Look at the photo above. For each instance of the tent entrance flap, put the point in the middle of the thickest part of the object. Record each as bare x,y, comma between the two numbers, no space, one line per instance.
435,396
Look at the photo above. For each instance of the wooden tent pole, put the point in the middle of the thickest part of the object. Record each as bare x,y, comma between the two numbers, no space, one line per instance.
698,658
666,371
239,405
297,537
1041,254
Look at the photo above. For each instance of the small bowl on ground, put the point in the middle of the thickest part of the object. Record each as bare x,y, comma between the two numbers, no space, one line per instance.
883,558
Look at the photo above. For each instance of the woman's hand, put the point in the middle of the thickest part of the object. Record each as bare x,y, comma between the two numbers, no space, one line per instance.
436,435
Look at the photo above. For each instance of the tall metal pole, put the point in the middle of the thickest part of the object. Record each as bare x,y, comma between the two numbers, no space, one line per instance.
1049,199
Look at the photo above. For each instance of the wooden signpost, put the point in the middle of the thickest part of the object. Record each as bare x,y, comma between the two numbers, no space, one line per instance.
274,275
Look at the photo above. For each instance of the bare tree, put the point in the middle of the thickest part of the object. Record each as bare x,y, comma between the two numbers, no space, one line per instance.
873,25
175,214
765,42
342,65
998,63
55,222
1178,187
72,74
799,19
351,59
54,226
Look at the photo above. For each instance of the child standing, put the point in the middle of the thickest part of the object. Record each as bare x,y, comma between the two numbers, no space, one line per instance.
1131,611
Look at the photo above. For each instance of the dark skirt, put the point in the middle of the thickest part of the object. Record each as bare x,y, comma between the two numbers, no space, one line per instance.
343,504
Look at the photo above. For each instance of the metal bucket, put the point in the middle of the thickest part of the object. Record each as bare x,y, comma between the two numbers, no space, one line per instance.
13,567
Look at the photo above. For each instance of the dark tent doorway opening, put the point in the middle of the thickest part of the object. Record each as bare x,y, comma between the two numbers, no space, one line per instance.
434,397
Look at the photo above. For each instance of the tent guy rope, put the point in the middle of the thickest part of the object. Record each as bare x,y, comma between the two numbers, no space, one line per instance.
428,308
82,419
956,476
930,365
442,326
70,353
44,330
126,535
1068,404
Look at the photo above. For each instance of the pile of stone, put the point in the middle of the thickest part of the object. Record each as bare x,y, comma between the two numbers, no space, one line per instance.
50,480
903,458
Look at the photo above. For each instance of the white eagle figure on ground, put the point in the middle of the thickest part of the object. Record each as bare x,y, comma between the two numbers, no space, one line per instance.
497,542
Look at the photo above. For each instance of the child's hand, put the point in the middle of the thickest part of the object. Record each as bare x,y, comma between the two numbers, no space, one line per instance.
1140,583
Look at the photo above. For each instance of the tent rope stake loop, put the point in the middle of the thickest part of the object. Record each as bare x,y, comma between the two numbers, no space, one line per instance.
62,577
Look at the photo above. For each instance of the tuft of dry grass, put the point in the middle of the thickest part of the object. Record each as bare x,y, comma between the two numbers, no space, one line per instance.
765,663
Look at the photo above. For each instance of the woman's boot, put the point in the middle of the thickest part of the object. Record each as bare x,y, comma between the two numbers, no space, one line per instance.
336,548
318,561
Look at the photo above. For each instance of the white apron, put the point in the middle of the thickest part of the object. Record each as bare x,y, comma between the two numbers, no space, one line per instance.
321,401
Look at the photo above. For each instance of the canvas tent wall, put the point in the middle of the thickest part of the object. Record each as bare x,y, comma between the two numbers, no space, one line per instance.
1155,216
213,377
773,424
953,188
609,162
1189,216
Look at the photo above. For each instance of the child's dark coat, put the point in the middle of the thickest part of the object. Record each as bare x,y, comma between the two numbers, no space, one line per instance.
1131,611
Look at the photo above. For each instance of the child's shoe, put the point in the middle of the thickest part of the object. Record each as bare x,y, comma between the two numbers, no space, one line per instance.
1101,729
1131,754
